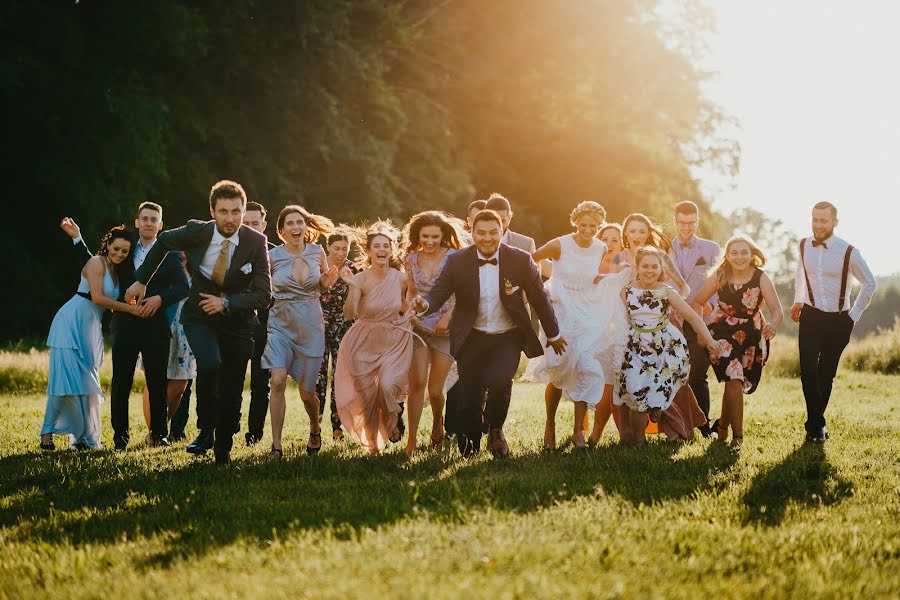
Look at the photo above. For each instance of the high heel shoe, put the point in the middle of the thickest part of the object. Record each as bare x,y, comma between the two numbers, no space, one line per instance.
47,446
314,437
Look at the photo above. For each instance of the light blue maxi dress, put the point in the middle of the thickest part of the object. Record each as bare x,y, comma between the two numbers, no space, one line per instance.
76,352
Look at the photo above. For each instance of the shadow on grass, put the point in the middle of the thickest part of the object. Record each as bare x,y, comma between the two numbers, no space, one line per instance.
803,478
196,507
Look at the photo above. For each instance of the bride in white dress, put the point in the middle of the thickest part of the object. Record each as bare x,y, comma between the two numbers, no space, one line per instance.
586,306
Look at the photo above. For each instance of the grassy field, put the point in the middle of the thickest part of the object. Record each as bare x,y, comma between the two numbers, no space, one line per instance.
779,519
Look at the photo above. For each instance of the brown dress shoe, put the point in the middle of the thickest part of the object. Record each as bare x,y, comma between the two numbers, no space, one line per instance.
497,443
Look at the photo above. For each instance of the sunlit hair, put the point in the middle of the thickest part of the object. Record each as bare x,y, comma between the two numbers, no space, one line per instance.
607,226
723,268
588,208
686,207
451,230
365,234
827,206
655,235
251,206
337,236
227,190
150,206
487,215
119,232
498,202
316,225
645,251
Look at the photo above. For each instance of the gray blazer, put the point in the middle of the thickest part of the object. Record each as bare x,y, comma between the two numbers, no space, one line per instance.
696,262
522,242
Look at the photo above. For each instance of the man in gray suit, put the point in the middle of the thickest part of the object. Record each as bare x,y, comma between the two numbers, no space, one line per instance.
694,257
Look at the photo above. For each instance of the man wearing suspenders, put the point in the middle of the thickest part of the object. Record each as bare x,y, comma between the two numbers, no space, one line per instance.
822,307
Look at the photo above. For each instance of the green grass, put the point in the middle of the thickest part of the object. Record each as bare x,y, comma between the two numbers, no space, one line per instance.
779,519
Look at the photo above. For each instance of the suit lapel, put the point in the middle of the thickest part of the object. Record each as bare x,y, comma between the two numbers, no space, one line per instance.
241,253
204,237
474,275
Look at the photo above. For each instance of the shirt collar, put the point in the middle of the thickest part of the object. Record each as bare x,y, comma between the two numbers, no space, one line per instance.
494,255
146,248
688,244
504,239
218,237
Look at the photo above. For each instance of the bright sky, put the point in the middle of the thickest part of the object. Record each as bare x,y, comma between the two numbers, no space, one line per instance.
816,88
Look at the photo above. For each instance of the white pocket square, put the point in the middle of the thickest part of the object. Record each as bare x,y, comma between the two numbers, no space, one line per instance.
246,269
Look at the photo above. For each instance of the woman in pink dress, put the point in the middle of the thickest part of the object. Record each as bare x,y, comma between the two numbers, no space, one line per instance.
372,372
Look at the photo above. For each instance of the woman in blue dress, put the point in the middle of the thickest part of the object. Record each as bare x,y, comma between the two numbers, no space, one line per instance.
76,347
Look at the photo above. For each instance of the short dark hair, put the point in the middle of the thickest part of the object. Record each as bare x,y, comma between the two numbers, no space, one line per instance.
828,206
686,207
150,206
497,202
486,215
476,204
227,190
256,206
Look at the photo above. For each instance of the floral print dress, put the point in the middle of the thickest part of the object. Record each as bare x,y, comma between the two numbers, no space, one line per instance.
336,326
656,363
736,323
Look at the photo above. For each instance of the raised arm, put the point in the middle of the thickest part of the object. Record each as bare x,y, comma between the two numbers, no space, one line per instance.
94,271
669,267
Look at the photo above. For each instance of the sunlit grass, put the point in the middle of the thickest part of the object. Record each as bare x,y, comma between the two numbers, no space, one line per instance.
677,521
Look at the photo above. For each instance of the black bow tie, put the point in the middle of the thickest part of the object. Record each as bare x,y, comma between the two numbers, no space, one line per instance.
487,261
817,243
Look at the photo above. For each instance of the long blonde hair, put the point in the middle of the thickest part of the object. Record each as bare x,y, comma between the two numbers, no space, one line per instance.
723,269
655,236
364,234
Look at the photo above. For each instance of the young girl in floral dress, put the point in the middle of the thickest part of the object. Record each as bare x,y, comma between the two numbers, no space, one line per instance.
655,365
737,325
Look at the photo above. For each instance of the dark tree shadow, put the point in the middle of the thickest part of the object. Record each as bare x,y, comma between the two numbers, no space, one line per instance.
804,478
197,507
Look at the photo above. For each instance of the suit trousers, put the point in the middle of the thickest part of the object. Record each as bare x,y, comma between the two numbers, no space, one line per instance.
485,361
150,339
259,385
222,348
697,378
823,337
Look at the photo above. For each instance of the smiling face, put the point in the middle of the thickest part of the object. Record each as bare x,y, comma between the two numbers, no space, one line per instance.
380,251
228,213
739,256
637,233
430,237
486,236
823,223
649,269
338,251
294,229
148,223
117,250
686,225
612,239
587,226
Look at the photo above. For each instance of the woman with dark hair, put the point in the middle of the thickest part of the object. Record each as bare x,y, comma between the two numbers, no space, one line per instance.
332,300
372,373
431,237
76,347
296,333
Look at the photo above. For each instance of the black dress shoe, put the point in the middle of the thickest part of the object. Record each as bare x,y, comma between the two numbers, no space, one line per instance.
47,446
176,436
159,441
204,442
467,447
120,442
252,439
223,459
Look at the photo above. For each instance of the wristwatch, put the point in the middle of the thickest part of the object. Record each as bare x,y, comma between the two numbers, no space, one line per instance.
226,304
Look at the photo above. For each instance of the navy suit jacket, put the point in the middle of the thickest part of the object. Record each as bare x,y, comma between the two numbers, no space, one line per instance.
460,277
247,285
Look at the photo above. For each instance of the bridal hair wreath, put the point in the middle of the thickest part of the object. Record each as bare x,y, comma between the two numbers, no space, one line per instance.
588,207
117,232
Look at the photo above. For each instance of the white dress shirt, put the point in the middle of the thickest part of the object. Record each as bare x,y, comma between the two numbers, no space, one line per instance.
824,267
212,252
492,316
140,252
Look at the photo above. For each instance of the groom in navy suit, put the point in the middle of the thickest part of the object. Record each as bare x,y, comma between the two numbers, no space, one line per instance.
230,282
489,329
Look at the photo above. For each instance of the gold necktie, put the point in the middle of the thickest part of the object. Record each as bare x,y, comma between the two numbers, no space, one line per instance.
218,274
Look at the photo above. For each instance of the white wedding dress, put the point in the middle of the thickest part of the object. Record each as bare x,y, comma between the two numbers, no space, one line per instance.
592,320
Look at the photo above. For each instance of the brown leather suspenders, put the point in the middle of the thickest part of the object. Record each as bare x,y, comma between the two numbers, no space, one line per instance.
809,293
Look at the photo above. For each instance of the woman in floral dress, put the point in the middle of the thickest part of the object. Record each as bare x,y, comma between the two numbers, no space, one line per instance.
737,325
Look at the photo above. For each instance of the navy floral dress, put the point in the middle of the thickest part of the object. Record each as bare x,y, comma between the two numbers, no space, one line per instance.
336,326
736,323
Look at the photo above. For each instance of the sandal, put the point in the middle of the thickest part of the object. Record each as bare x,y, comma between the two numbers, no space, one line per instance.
337,435
317,437
275,454
654,415
47,446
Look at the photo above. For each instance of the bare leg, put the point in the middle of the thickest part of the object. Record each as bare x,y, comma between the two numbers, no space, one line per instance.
638,426
311,404
418,373
552,396
174,391
724,417
578,432
602,414
734,396
440,368
277,405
